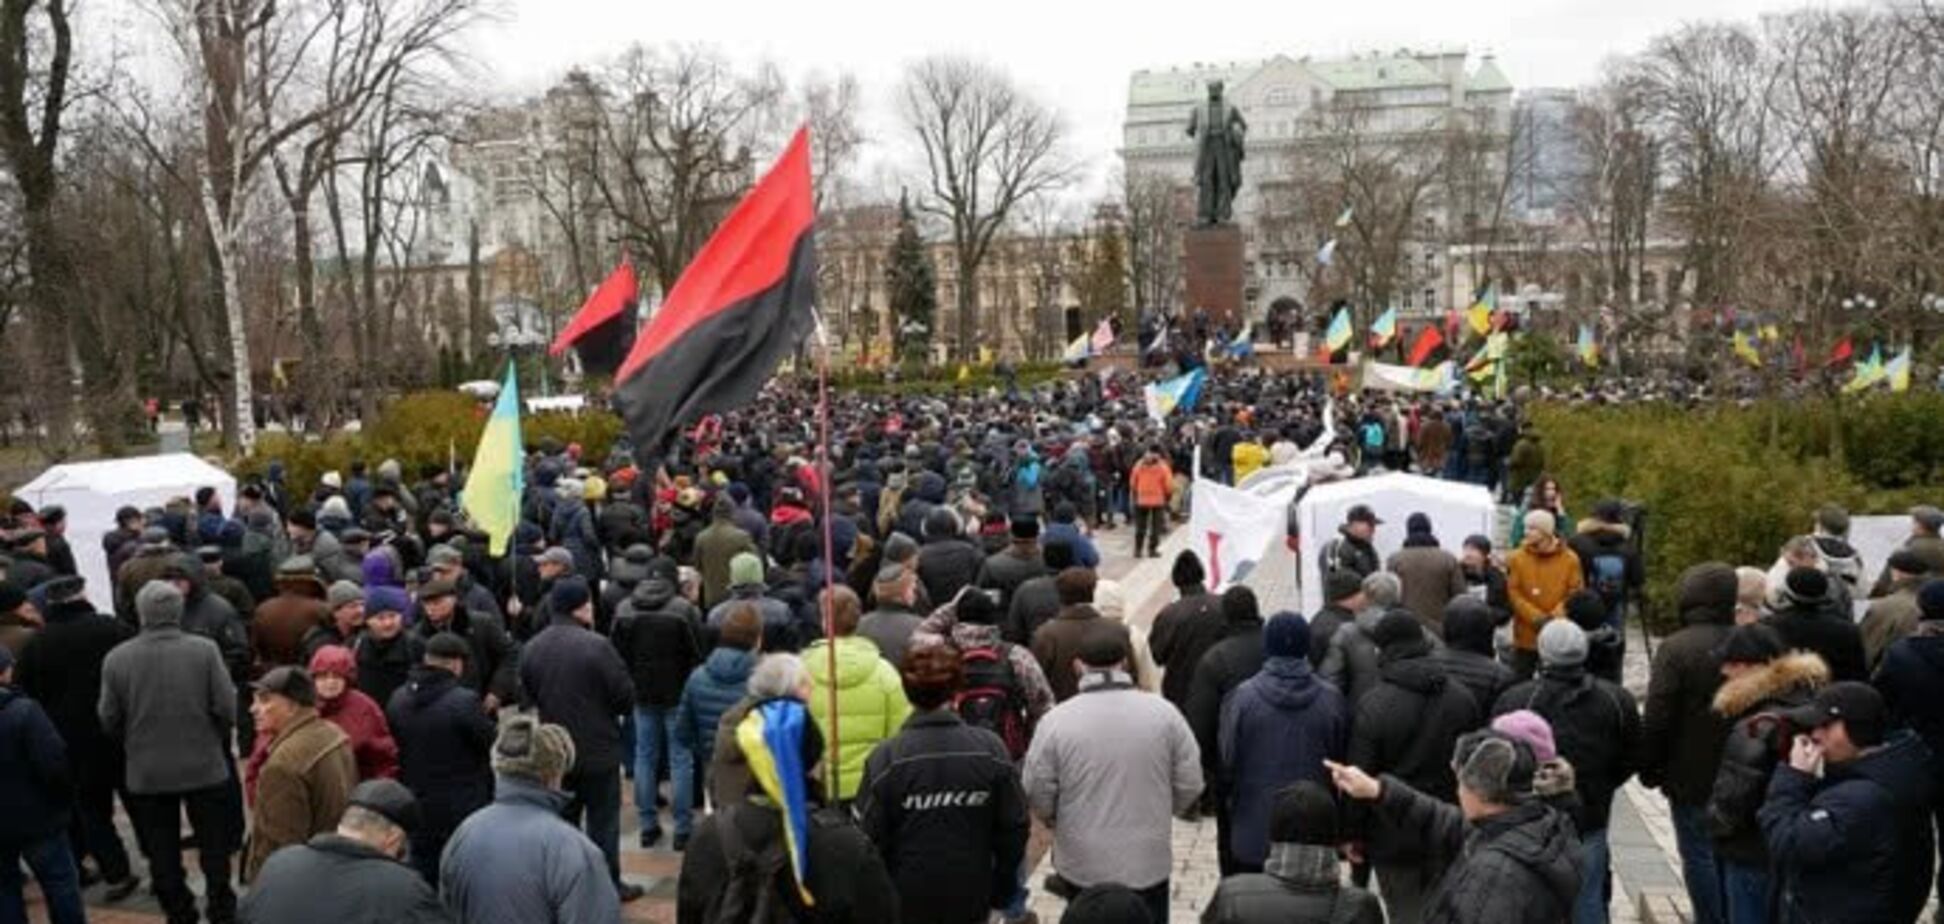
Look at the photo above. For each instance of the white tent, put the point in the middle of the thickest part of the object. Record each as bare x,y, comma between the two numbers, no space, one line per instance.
93,491
1456,510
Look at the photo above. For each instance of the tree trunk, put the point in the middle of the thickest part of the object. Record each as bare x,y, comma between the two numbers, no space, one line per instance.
242,434
968,307
476,319
52,375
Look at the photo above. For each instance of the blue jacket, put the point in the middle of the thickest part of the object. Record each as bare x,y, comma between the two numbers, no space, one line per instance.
1085,554
1277,728
516,862
1854,846
720,683
33,773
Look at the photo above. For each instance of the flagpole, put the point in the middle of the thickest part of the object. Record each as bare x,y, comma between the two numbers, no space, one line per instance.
833,769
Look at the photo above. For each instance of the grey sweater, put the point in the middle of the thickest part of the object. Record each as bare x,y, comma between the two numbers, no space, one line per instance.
166,696
1109,769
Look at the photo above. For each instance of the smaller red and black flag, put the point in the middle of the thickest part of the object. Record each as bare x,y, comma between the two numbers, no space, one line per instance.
1428,341
742,304
1843,352
602,331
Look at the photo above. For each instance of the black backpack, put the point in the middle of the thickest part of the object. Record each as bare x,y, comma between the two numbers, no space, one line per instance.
751,896
1609,573
992,698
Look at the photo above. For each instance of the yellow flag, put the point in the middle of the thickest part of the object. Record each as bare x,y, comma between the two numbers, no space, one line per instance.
1747,350
964,373
1480,318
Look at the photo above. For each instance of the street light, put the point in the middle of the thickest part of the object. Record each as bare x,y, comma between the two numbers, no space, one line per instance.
1932,302
1859,301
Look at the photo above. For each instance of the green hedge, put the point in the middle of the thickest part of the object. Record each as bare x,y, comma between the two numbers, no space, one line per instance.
1732,483
422,428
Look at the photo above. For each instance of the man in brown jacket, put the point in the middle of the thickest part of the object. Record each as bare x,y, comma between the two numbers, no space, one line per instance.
277,631
716,546
306,778
1433,441
1057,643
1431,576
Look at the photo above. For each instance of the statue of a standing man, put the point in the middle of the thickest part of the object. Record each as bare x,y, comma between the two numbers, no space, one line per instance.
1219,130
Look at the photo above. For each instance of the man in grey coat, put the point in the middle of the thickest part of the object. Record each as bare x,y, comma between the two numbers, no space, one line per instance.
516,861
166,696
1124,744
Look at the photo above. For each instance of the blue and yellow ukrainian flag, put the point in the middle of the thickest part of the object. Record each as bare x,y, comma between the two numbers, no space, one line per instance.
492,494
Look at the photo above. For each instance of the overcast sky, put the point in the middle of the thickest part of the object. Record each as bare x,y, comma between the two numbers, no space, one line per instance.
1078,55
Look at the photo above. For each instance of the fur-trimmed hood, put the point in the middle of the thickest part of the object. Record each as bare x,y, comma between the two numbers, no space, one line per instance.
1593,526
1798,672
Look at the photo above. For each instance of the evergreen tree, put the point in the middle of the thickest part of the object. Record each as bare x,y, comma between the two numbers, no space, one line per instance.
912,282
1103,290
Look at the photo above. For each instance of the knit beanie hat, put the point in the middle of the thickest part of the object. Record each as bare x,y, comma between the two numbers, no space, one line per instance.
1107,904
1341,584
529,748
1540,522
1531,728
1025,527
1562,644
1286,635
1304,813
1496,767
1586,610
342,594
899,548
1755,643
745,569
1468,625
570,594
1807,584
1417,524
1188,570
1708,592
1930,599
387,600
1396,630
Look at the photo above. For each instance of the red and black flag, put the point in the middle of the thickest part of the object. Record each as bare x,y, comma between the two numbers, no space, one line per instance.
740,306
602,331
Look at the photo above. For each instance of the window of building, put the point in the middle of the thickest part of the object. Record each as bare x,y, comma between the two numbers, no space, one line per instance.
1430,299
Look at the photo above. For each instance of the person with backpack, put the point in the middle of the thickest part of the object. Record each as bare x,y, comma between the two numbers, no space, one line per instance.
1004,690
741,868
1609,561
1596,727
941,800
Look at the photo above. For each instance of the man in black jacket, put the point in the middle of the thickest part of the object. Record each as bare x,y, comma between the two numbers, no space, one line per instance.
942,803
1302,882
1036,601
1016,564
355,875
1406,726
1812,619
660,647
1680,733
491,671
445,745
1596,727
948,562
1342,599
1185,629
61,669
1229,662
576,679
1763,680
1467,655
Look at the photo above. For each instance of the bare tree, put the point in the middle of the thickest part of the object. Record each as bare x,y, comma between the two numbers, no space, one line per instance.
678,127
36,59
1155,208
987,147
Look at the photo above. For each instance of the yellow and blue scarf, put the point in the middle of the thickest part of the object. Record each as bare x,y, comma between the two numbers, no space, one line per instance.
771,737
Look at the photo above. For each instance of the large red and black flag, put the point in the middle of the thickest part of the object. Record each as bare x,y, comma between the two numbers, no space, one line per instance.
740,306
603,330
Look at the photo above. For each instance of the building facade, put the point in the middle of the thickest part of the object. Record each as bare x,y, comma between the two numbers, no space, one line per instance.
1295,104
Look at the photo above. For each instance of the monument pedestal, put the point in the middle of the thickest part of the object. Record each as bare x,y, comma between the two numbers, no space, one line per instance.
1213,273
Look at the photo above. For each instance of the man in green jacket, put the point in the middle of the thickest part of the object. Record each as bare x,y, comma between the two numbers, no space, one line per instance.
715,546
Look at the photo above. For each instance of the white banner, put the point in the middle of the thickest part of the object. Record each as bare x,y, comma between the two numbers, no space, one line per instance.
1232,529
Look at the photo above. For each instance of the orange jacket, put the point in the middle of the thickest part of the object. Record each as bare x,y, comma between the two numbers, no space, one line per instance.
1151,483
1539,577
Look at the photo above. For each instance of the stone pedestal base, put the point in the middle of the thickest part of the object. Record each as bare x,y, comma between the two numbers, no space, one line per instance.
1213,273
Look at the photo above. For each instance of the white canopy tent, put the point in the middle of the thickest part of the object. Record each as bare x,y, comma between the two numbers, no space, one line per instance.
92,492
1456,510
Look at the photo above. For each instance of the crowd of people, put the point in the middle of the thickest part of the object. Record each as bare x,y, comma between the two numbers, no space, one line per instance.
863,680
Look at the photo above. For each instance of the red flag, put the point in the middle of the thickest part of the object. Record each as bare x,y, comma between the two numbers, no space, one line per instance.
1428,340
740,306
1842,353
1452,321
618,291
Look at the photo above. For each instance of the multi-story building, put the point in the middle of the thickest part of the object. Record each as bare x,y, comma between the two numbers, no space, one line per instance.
1296,104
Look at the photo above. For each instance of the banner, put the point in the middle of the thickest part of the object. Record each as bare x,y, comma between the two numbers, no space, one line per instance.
1233,529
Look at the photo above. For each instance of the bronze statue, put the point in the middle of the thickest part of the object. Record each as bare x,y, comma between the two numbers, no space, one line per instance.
1219,129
